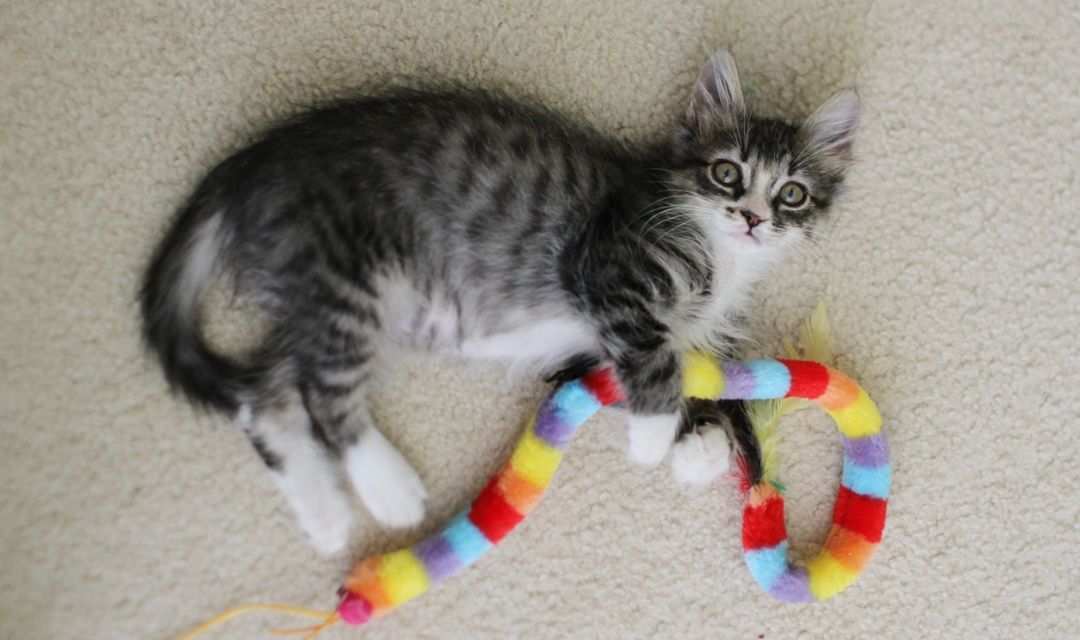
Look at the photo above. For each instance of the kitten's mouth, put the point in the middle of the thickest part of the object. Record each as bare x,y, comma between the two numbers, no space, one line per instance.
749,237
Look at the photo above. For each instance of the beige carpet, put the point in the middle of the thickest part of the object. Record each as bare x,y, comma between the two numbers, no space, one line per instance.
951,271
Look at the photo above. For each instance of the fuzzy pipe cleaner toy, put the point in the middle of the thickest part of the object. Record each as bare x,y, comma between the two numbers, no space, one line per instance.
378,584
383,582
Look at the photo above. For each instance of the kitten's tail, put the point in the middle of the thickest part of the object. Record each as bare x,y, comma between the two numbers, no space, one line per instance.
180,272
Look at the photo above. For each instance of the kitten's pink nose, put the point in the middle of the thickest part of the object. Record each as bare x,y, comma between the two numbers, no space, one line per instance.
752,219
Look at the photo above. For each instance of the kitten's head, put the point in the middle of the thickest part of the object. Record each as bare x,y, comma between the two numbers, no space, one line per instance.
758,185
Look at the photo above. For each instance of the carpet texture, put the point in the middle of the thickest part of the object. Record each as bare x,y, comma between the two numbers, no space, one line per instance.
951,271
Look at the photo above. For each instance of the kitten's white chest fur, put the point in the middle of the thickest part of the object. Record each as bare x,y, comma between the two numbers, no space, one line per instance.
701,320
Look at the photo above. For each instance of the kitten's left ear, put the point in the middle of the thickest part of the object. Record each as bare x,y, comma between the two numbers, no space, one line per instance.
829,132
717,100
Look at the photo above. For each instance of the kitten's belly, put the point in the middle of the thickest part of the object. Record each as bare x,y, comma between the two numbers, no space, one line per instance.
459,324
546,341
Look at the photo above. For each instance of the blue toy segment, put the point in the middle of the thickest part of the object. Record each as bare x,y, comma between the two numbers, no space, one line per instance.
772,379
574,404
468,542
868,481
768,564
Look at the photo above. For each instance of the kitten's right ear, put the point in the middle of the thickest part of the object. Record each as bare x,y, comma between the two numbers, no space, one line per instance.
716,102
830,131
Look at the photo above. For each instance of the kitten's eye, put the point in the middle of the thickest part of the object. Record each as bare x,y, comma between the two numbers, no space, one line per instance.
726,173
792,194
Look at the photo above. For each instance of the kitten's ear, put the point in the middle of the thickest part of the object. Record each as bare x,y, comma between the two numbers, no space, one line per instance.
716,102
829,132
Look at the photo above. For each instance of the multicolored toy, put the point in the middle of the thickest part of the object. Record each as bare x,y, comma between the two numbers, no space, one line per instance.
380,583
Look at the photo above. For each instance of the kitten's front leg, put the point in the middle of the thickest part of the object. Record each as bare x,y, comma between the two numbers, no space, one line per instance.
650,372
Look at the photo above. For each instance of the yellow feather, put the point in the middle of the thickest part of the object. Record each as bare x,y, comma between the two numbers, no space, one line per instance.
815,337
764,415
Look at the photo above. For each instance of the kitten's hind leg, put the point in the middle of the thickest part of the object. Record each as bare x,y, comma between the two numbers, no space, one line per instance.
387,484
301,466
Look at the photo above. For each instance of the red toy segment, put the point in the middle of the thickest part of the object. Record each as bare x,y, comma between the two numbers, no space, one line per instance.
862,514
808,379
492,514
604,386
763,525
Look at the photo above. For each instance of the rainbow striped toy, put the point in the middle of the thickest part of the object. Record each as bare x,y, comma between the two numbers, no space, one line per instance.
380,583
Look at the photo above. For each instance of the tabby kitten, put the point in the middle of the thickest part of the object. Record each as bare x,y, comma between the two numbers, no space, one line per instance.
470,224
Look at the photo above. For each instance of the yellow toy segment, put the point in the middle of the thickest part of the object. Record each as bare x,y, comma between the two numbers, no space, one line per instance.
859,418
402,576
702,376
535,460
828,576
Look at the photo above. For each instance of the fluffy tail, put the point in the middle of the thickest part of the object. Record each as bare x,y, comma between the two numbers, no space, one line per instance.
182,269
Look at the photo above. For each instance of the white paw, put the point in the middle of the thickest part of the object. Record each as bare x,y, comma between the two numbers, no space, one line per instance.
388,485
326,520
701,457
651,437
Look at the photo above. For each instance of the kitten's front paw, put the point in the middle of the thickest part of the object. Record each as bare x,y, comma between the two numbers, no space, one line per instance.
388,485
701,456
651,437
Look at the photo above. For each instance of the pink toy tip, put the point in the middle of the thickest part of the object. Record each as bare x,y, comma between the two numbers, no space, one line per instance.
354,610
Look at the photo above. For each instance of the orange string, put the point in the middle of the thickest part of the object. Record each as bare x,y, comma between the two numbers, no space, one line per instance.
312,632
328,618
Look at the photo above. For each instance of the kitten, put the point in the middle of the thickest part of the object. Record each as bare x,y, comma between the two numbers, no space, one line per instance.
470,224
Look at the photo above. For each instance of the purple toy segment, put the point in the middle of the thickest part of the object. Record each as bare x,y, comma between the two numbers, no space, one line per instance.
792,586
872,451
739,381
438,557
551,428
